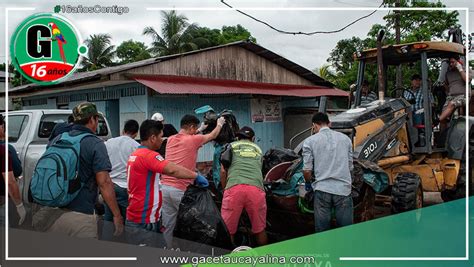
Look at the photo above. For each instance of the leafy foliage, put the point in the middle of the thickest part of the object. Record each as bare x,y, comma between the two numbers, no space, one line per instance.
414,26
175,37
131,51
100,52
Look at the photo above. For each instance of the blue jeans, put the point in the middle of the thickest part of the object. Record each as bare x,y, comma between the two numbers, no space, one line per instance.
121,195
324,203
144,234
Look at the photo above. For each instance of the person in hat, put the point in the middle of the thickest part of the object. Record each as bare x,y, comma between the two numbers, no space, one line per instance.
242,179
79,218
168,130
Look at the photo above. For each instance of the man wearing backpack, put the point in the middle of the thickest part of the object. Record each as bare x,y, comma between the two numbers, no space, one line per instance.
77,217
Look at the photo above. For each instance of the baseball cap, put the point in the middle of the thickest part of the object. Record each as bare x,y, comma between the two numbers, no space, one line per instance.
157,117
246,132
84,110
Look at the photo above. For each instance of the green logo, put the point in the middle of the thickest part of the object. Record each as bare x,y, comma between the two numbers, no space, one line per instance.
46,48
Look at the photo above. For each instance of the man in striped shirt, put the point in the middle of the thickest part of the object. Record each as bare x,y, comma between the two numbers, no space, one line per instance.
144,189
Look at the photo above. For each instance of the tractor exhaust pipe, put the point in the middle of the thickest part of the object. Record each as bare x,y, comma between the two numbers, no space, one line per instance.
380,66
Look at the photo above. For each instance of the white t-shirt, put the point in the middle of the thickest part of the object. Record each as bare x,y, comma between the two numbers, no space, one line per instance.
119,149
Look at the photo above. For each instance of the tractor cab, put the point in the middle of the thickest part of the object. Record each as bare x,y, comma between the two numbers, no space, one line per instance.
423,60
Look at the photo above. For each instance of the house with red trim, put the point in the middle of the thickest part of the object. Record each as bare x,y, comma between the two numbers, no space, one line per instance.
265,91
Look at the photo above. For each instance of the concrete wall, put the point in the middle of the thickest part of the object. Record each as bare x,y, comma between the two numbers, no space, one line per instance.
51,104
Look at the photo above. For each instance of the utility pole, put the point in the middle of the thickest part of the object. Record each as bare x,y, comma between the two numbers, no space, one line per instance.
398,79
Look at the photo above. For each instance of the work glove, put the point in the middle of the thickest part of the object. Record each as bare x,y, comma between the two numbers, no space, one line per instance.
308,186
459,66
202,127
201,181
221,121
21,212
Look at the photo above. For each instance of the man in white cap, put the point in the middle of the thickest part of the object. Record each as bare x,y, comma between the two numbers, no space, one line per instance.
168,130
158,117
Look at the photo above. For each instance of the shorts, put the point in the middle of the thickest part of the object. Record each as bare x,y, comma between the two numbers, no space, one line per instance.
458,101
248,197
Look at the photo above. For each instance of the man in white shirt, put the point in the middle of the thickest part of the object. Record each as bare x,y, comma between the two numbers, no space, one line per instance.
119,149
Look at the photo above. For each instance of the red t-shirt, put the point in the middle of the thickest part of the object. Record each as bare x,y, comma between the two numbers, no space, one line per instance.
143,183
182,149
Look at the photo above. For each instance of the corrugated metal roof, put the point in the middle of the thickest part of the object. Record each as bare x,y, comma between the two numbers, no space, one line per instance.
169,84
79,77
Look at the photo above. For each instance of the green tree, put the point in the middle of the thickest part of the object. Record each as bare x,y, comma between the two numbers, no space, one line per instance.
175,35
231,34
100,52
131,51
422,25
227,34
414,26
206,37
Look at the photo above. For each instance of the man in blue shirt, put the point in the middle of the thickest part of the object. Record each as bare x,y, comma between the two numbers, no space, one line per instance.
78,218
328,155
13,155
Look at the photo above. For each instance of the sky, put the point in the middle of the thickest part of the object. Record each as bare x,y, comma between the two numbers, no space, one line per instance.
309,51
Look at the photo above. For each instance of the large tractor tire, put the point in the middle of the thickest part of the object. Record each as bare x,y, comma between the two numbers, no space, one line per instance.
407,193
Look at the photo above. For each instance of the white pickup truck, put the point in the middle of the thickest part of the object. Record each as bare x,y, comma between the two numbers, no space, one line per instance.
28,132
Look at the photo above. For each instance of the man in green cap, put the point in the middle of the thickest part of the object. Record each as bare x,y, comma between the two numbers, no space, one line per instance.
80,220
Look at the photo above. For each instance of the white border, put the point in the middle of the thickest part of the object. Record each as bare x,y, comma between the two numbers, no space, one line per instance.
7,257
261,9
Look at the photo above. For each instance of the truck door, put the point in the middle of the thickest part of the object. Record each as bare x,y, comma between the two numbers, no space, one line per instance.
18,132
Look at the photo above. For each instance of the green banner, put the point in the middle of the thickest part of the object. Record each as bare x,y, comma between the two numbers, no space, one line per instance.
435,232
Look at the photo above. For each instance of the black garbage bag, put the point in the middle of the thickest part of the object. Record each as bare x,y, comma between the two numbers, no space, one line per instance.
276,156
200,220
227,134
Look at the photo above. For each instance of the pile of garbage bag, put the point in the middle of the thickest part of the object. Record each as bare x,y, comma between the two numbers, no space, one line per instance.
200,220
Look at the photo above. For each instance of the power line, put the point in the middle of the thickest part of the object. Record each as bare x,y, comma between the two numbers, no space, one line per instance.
302,33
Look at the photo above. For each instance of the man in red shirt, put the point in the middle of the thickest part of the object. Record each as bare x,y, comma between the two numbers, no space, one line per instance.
182,149
143,182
